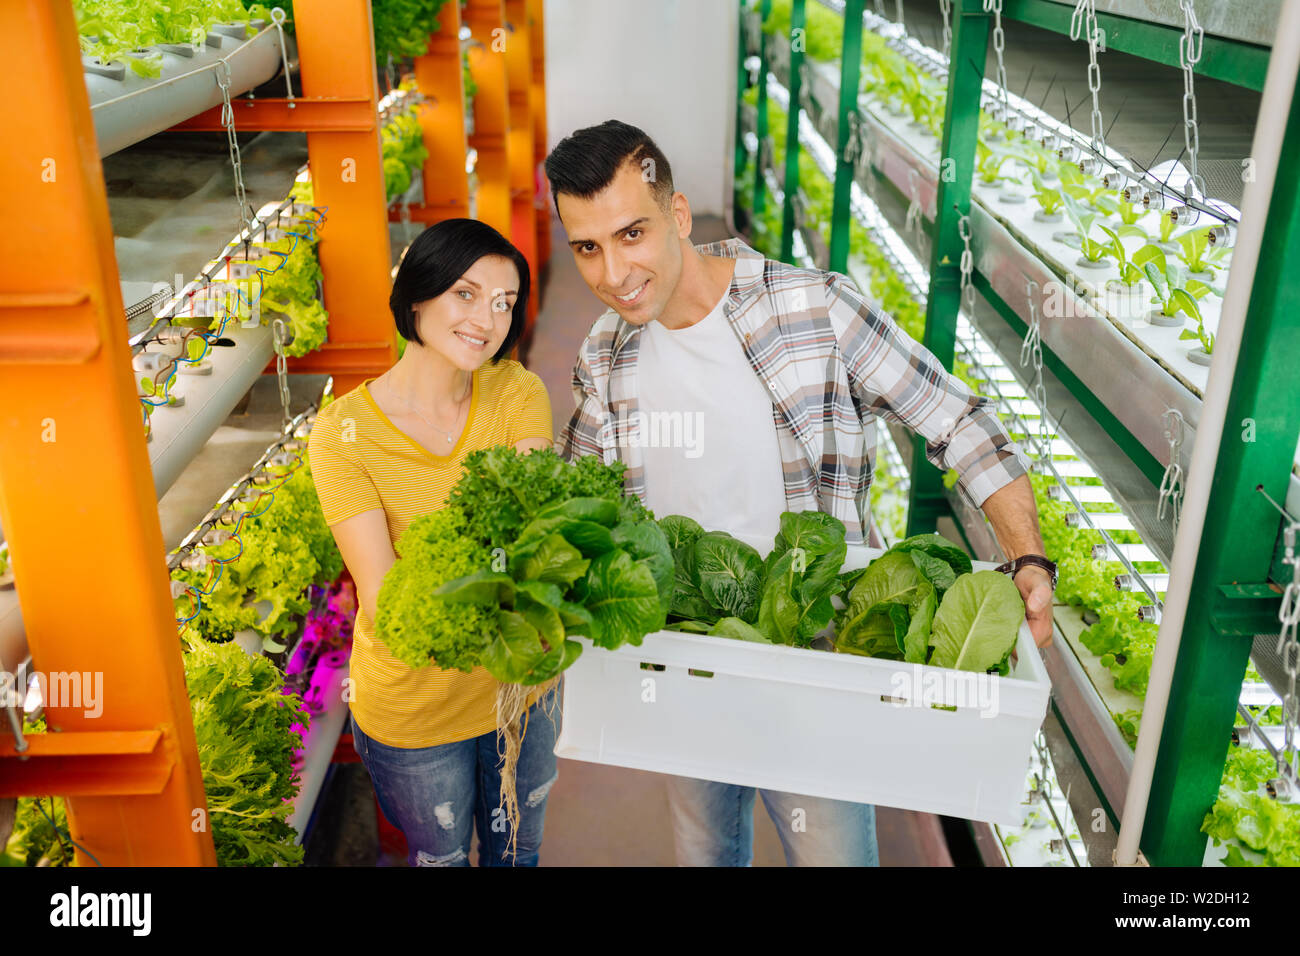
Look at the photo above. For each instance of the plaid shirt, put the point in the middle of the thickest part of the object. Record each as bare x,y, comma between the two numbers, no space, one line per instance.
832,363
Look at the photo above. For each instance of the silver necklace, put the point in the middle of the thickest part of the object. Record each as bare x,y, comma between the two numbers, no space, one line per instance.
450,437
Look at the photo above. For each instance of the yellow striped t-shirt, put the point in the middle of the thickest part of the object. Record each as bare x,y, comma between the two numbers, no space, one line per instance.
361,461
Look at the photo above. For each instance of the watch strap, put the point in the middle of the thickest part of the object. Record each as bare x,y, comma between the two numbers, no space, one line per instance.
1037,560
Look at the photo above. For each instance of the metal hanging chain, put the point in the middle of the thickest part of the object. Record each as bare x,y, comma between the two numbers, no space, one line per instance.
1084,20
967,266
1288,650
14,700
912,219
1171,484
945,7
277,17
278,330
228,121
806,100
1189,53
999,43
857,151
1031,349
852,141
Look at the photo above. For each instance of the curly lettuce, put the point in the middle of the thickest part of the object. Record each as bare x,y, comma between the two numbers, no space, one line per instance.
529,551
245,727
402,141
286,547
120,28
417,628
1245,816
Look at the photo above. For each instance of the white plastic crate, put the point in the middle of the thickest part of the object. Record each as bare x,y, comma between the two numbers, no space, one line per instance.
811,721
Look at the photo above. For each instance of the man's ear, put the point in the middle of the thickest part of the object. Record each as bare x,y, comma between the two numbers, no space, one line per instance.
682,215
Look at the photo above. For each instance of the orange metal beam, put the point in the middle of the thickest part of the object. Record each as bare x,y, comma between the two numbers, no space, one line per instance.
537,40
428,214
109,763
336,48
438,77
523,184
487,64
302,114
346,361
70,410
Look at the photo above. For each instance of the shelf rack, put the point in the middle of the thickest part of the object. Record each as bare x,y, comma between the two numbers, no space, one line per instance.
338,110
1214,650
438,76
132,776
128,108
537,47
1074,699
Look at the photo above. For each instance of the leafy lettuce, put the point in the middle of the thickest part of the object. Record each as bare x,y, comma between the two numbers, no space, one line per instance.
529,551
920,603
890,611
785,598
244,724
402,143
283,548
1246,816
976,625
801,577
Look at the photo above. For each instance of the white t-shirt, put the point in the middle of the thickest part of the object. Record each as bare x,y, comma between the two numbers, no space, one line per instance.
707,432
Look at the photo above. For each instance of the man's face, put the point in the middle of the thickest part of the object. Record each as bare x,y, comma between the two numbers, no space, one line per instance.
625,244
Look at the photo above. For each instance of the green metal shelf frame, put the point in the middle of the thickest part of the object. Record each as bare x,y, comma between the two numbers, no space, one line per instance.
1232,61
1216,639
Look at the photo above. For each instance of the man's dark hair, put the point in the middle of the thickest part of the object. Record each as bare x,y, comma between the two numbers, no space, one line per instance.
585,162
438,257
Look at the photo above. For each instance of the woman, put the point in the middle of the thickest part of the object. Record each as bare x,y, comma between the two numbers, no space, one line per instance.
389,451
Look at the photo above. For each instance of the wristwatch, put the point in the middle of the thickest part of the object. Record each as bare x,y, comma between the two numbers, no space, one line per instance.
1037,560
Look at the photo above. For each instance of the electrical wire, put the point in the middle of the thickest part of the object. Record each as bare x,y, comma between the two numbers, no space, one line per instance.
210,338
218,564
61,836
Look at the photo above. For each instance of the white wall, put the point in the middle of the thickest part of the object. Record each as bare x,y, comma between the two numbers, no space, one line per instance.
666,66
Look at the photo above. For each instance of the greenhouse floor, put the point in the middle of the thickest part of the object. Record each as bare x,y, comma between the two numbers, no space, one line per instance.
597,815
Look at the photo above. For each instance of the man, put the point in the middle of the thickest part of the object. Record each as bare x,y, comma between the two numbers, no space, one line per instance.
782,372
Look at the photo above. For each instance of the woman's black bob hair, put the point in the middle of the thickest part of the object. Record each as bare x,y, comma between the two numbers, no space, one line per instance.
438,257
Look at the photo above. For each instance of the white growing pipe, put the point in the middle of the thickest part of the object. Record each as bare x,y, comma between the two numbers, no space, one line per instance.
1274,107
128,110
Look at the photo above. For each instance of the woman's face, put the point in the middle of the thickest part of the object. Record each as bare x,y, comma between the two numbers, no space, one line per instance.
467,323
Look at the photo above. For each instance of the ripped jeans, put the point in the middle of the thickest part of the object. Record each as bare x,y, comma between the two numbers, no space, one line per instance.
437,796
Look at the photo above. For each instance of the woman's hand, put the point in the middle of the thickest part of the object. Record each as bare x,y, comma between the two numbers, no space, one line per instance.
532,444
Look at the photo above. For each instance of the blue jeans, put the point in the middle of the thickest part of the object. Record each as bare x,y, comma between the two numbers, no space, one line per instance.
713,825
437,796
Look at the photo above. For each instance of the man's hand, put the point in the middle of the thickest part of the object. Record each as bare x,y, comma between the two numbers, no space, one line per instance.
1035,586
1014,516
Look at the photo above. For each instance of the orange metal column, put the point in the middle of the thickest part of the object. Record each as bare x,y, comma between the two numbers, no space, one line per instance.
337,52
487,64
523,186
438,76
77,497
537,43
